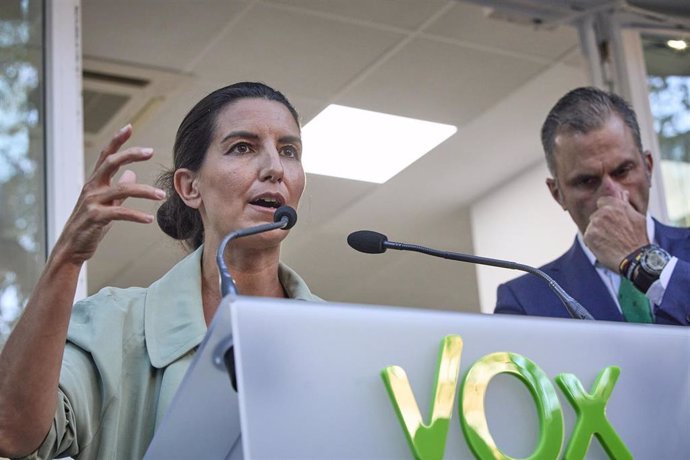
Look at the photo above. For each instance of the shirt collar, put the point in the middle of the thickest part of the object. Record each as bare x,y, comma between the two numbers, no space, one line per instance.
294,285
590,255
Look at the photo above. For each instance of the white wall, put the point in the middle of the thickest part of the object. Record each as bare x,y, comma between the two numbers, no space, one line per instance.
519,222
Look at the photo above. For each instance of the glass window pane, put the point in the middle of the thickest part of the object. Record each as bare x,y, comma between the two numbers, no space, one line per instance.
668,80
22,158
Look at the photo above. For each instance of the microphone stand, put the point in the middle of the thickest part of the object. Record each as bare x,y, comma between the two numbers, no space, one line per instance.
285,217
227,284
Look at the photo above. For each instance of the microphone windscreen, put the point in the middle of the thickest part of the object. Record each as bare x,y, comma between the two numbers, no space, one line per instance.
367,241
286,211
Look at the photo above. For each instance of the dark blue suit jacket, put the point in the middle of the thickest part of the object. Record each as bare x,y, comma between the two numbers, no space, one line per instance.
529,295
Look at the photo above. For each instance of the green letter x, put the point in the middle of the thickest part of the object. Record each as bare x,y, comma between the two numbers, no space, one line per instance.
591,415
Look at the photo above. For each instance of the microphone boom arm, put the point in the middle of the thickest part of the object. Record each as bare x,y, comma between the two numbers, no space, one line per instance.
285,218
227,284
573,306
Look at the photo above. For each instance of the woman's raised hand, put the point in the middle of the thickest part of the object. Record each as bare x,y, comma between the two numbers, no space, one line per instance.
101,199
30,360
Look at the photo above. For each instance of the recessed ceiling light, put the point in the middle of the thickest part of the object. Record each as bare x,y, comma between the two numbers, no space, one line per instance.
678,45
368,146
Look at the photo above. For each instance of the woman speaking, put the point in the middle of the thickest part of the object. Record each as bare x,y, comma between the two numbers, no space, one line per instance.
93,380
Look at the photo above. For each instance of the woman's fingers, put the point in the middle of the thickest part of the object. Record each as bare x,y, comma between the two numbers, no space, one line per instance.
127,186
108,167
116,142
100,202
128,177
119,192
103,216
114,195
112,159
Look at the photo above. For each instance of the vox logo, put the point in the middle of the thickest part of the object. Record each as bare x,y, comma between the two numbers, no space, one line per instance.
428,440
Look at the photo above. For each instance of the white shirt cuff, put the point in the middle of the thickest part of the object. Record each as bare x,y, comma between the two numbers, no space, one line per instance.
656,291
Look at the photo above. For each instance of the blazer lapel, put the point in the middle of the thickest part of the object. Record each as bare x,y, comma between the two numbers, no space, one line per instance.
581,280
674,239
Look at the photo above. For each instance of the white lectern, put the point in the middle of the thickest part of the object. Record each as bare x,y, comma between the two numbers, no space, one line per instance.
310,385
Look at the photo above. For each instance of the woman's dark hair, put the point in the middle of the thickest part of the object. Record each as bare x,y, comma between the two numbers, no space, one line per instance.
192,141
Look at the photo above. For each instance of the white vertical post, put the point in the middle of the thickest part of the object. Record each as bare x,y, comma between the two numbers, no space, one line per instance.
64,124
628,78
631,81
590,50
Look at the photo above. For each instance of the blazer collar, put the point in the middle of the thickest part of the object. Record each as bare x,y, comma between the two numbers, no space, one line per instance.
580,279
174,321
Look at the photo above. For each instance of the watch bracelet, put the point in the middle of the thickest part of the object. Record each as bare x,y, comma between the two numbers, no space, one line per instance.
628,266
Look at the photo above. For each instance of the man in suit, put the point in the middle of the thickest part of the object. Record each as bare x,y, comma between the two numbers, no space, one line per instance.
624,265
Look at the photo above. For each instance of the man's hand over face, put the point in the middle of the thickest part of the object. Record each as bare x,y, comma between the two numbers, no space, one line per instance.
615,230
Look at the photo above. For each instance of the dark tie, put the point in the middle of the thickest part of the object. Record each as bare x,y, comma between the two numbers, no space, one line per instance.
634,303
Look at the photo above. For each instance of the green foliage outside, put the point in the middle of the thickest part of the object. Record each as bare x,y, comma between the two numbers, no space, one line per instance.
22,209
670,101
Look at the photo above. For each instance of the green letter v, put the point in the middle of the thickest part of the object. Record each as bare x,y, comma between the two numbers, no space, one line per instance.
427,441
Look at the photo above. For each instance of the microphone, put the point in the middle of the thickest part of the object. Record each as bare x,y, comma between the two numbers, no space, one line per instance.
284,217
376,243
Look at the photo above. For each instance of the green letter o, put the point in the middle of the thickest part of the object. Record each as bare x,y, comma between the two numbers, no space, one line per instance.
471,407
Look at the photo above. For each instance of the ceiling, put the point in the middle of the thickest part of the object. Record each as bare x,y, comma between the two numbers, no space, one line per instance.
444,61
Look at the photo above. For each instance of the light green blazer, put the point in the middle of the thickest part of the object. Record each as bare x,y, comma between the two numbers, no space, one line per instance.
125,357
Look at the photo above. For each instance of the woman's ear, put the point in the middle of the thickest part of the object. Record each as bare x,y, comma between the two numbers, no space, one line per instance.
186,184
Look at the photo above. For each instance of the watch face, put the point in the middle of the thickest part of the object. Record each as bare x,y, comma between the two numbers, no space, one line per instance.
654,260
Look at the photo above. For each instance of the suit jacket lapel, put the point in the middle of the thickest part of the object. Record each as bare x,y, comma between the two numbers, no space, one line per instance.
581,280
673,239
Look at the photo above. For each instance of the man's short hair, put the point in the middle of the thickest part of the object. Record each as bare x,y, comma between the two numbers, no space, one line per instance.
583,110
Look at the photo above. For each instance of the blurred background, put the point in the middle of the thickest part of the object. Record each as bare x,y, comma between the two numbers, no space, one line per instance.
491,69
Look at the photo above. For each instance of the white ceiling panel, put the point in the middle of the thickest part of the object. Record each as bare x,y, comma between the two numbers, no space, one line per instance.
440,82
156,33
303,55
470,24
501,142
405,14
